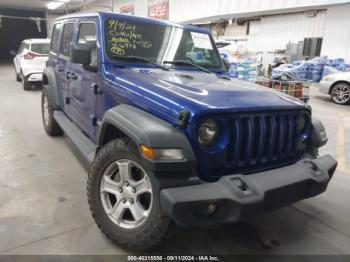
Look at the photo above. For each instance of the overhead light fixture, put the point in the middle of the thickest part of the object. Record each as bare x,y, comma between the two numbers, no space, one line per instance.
56,4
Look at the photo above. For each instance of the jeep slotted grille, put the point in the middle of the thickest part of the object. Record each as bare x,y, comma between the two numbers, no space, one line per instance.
266,139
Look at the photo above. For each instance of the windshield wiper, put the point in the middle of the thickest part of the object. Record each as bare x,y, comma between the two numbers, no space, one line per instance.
183,62
141,59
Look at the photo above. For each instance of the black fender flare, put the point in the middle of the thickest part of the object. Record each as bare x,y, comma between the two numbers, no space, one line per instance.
146,129
50,82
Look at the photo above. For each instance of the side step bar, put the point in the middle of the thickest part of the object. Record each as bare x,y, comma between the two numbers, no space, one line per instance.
85,147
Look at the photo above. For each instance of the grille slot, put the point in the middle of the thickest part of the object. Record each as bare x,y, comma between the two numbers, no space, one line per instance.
262,139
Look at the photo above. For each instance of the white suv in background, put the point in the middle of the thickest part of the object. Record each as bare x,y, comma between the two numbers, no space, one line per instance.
30,61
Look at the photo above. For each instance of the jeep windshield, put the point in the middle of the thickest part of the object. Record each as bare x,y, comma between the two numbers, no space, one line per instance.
159,44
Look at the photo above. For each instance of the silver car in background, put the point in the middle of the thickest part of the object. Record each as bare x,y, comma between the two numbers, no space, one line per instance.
337,86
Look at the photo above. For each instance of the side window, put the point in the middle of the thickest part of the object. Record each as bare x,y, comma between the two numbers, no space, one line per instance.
55,38
87,35
68,31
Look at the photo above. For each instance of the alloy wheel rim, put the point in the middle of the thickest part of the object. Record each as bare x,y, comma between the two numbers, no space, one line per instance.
126,194
46,111
341,94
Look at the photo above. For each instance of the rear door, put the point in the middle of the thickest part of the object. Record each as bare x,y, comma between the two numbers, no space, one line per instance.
85,79
54,52
63,63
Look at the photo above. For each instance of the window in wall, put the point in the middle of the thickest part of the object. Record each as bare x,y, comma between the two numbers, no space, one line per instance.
312,47
68,31
55,37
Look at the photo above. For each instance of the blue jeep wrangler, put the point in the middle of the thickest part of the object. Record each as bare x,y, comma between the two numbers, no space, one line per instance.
166,135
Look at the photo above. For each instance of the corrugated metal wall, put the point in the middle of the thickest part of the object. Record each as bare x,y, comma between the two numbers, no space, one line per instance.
185,10
275,32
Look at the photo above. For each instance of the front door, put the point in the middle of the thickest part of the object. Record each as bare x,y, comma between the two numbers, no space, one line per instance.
84,80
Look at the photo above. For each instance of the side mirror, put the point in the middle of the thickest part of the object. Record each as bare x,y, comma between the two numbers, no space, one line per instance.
80,54
13,52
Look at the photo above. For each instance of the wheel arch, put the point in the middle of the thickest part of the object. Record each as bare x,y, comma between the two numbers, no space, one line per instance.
50,83
110,132
143,129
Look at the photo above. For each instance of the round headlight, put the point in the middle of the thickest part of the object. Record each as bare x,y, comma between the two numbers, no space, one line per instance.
208,132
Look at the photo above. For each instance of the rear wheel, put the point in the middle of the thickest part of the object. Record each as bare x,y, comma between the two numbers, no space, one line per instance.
340,93
50,125
124,197
25,83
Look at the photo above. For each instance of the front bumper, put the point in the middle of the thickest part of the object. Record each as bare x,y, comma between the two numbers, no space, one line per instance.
246,197
324,86
35,77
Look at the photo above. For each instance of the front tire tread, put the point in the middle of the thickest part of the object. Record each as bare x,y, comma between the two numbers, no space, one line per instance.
154,233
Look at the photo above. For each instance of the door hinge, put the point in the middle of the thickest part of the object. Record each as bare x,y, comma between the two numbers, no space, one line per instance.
95,121
96,89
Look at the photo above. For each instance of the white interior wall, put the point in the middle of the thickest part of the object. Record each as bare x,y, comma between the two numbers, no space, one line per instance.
141,6
275,32
210,10
336,41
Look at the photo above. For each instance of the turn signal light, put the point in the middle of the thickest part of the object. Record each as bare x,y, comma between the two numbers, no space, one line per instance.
147,152
161,154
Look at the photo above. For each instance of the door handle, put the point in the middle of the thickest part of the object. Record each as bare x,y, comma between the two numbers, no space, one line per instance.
59,69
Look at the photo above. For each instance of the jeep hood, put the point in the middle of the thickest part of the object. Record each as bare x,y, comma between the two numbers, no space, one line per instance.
167,93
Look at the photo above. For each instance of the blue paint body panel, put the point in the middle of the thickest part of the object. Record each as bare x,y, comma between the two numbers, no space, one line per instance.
244,111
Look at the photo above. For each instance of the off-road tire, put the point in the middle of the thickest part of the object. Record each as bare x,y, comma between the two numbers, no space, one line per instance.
154,230
51,127
25,84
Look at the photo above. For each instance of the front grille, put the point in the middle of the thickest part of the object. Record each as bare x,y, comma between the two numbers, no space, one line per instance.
260,140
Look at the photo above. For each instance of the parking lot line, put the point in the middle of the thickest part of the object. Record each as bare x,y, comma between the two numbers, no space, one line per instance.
342,166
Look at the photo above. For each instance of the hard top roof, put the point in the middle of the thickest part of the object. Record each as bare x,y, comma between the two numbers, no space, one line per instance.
130,17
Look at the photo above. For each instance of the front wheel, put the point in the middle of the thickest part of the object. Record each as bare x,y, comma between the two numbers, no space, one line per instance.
124,197
25,83
340,93
18,79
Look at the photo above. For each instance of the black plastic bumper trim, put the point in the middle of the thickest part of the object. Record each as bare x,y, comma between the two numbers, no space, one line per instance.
247,197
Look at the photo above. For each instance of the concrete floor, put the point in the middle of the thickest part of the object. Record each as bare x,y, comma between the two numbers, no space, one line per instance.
43,206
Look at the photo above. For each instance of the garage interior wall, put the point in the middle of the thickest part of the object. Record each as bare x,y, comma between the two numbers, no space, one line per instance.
17,25
275,32
184,10
140,6
336,42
